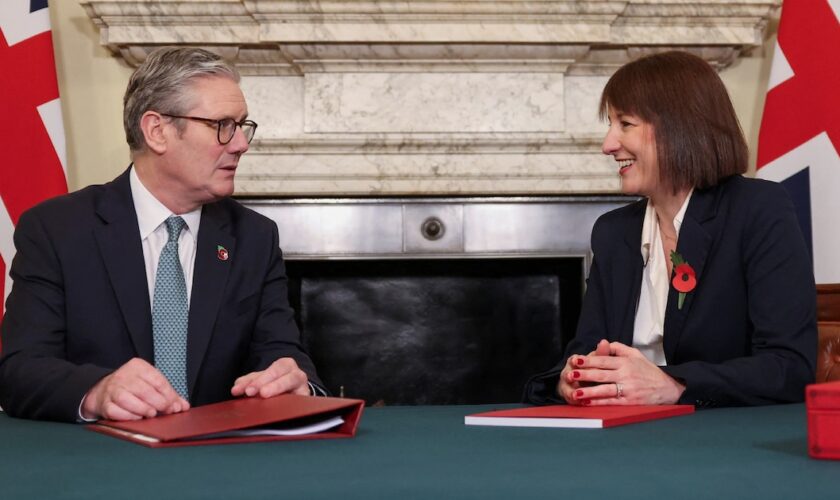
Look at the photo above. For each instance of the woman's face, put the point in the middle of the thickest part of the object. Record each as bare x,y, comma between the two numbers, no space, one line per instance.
631,141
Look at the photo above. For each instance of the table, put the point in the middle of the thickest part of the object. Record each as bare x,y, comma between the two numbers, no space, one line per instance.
428,452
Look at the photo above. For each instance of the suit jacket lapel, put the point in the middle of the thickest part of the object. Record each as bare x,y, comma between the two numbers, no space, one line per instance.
210,278
627,275
118,239
695,244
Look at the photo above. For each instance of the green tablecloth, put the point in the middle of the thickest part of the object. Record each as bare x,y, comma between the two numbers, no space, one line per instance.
428,452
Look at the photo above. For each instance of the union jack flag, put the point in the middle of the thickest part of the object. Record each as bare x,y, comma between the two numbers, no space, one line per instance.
799,140
31,130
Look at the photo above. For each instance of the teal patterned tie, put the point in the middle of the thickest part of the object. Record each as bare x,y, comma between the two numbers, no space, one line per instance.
170,312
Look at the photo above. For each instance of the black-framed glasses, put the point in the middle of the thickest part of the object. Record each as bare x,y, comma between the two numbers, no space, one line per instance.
225,128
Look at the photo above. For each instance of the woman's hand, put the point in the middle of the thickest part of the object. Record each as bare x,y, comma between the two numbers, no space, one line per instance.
623,377
568,385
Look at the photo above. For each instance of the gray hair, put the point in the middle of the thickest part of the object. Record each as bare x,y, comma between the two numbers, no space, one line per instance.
162,83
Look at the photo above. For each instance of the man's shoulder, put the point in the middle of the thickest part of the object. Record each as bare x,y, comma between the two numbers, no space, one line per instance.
75,211
242,216
67,206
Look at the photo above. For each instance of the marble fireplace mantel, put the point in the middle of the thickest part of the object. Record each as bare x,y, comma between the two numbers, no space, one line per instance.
431,97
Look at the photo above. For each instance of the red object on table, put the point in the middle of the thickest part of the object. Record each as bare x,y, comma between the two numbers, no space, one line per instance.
823,404
198,425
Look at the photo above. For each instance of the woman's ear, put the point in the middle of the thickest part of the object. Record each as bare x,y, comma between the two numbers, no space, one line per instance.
153,127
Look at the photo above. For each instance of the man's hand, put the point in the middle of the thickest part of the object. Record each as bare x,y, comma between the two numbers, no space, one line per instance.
640,381
283,376
135,390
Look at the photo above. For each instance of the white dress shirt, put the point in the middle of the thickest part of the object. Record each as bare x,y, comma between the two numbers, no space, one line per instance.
151,218
653,299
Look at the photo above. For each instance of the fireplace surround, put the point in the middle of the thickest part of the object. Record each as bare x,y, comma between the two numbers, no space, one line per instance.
381,98
439,300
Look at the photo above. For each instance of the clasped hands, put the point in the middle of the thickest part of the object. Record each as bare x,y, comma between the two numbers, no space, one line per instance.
138,390
616,374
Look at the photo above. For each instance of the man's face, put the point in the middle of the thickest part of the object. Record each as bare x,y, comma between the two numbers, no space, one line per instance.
196,168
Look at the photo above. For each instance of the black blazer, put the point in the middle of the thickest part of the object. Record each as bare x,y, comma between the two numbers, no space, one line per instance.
79,307
747,334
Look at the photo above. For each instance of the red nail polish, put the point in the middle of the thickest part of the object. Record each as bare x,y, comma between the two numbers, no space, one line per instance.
575,374
579,361
586,402
578,393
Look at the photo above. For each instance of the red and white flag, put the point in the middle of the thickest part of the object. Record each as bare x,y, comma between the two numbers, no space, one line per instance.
32,167
799,140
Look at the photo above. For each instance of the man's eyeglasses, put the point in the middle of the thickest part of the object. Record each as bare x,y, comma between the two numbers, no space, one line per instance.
225,128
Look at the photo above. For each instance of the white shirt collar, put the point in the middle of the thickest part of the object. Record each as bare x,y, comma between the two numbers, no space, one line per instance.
151,213
651,225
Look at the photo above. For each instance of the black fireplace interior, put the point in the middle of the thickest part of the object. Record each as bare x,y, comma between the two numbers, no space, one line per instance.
435,331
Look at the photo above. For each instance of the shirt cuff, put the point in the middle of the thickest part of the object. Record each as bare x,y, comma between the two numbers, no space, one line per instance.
315,390
79,418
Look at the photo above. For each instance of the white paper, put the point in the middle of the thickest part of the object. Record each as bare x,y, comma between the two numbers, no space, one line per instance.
287,431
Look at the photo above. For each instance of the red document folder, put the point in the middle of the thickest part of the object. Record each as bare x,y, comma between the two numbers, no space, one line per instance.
581,417
187,429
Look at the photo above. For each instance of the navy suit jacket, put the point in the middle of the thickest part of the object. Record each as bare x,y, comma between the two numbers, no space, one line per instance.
79,307
747,334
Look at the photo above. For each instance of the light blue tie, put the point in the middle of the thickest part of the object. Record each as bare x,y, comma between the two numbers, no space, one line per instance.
170,312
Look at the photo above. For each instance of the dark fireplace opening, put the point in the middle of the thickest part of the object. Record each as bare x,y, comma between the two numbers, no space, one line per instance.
435,331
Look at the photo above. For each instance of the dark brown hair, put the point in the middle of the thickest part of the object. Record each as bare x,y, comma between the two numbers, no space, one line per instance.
698,138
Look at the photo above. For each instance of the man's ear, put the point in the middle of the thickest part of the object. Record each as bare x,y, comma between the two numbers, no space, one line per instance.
153,125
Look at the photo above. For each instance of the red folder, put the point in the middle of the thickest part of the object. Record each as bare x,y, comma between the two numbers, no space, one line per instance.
582,417
188,428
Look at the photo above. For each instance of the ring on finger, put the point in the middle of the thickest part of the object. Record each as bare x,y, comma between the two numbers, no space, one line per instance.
619,390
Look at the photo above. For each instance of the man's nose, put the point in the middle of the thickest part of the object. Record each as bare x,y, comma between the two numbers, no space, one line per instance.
239,143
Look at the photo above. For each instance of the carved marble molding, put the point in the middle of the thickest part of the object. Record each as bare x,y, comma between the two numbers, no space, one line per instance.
361,97
274,36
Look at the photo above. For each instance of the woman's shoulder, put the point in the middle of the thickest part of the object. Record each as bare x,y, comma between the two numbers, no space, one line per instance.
617,222
756,202
750,190
622,215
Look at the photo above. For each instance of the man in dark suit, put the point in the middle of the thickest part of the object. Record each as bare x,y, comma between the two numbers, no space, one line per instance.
154,292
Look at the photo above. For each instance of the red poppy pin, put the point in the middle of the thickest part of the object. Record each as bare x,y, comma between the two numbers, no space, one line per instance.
222,253
685,279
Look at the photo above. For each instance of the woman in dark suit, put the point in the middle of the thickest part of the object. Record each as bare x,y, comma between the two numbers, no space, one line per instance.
702,292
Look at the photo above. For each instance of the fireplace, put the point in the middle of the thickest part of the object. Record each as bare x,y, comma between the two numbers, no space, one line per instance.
435,301
421,331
